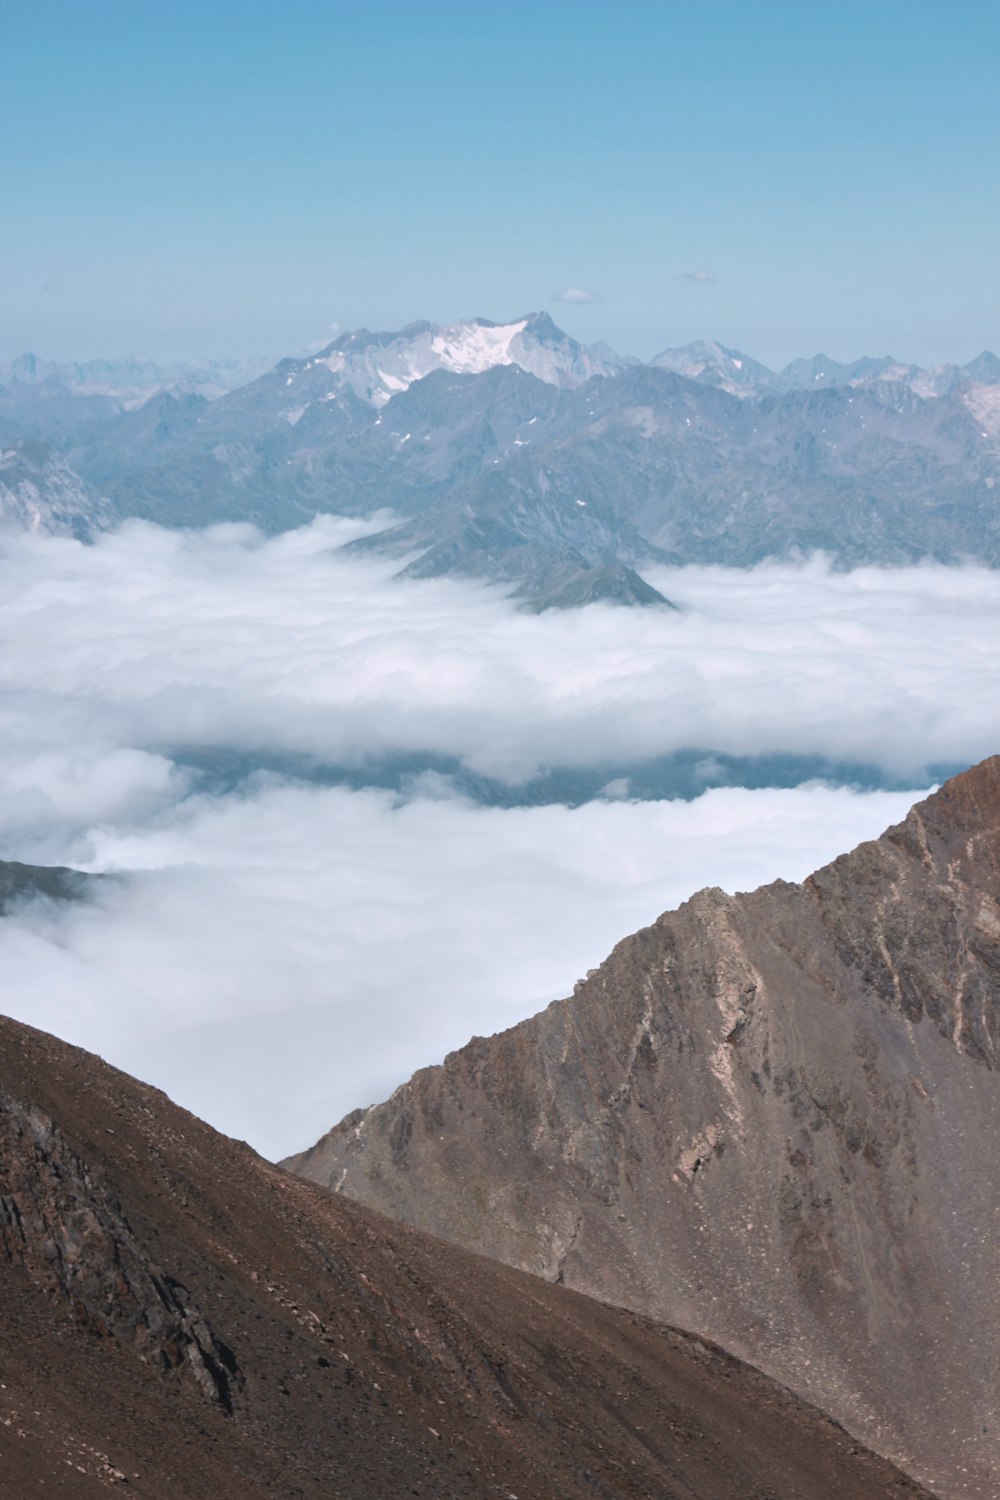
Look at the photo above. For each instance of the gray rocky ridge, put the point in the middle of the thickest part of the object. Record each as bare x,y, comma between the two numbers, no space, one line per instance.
40,492
770,1118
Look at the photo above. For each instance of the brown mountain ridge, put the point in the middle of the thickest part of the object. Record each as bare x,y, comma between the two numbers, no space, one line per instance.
772,1119
179,1320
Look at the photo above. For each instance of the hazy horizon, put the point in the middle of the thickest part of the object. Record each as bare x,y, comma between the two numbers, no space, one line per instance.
841,355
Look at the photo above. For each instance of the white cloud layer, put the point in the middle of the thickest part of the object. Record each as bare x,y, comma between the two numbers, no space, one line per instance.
150,640
576,294
286,951
292,952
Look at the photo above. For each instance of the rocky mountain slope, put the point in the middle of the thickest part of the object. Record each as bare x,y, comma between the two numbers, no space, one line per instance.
770,1118
40,492
179,1319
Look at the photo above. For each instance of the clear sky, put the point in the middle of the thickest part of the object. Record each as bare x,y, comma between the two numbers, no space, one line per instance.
234,178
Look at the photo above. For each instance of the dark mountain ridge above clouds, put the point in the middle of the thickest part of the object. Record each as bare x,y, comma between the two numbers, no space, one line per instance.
514,452
20,882
771,1118
179,1318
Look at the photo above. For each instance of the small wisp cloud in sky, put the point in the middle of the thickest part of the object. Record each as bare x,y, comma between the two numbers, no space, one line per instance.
701,278
575,294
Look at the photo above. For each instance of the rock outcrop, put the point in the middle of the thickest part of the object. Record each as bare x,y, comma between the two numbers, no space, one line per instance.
61,1223
180,1319
772,1119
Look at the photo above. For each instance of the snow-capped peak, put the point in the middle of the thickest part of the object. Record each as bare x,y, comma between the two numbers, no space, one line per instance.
378,366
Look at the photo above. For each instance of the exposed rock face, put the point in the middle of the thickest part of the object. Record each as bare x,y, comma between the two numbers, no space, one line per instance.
40,492
183,1320
60,1222
772,1119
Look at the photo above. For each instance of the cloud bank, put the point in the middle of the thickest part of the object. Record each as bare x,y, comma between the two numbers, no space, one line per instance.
285,953
278,952
118,655
575,294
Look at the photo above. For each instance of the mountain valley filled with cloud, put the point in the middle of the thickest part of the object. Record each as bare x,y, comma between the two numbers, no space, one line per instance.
354,819
499,751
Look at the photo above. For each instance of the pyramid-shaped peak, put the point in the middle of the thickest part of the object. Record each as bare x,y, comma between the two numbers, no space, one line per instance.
985,368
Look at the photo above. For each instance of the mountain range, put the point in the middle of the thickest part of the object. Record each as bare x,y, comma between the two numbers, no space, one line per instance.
770,1119
513,452
126,382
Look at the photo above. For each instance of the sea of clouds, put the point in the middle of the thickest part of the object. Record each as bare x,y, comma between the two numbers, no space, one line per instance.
276,951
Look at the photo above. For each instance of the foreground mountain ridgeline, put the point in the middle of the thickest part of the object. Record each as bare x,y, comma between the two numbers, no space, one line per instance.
181,1319
772,1119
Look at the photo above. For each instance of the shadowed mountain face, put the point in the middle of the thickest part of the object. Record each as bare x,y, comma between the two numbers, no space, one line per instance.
772,1119
180,1319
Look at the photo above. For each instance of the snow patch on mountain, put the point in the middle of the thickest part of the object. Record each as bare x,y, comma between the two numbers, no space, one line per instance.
471,348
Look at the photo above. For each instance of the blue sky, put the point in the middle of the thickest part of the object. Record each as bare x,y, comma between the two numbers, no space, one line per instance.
219,178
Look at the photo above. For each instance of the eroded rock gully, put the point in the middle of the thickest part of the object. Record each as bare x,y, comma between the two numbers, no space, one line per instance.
772,1119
